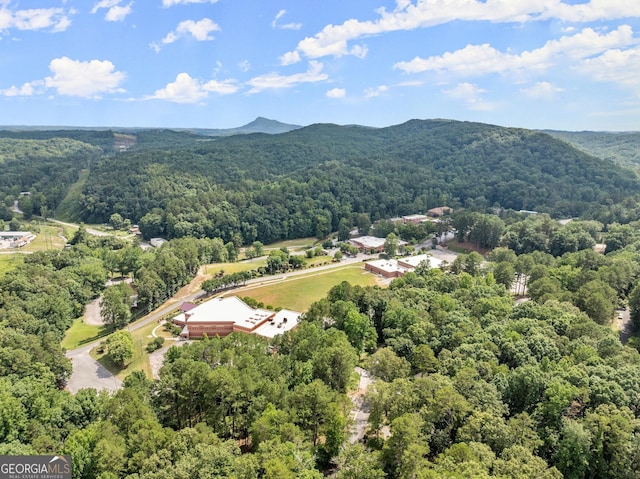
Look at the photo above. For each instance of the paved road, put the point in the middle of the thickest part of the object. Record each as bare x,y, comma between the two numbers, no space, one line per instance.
91,231
624,325
360,409
89,373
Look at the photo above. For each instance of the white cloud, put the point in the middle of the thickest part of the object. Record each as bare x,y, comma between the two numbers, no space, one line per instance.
470,95
115,11
285,26
279,15
244,66
377,91
334,40
409,83
118,13
28,89
85,79
224,87
170,3
477,60
104,4
543,90
276,81
616,66
200,30
57,19
592,11
191,90
336,93
290,58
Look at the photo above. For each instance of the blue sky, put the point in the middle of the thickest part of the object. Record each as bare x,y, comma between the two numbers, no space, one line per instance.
560,64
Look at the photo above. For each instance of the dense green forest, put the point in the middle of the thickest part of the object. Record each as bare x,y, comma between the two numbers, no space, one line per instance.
467,382
303,182
622,148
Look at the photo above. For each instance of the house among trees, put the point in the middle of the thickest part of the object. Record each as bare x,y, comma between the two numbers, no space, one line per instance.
439,211
392,268
414,219
371,243
224,315
368,243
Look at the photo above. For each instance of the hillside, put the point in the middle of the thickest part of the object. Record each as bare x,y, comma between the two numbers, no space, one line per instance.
622,148
301,183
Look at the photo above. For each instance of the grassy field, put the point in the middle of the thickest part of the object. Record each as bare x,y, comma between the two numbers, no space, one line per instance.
81,333
9,262
298,292
47,237
229,268
296,244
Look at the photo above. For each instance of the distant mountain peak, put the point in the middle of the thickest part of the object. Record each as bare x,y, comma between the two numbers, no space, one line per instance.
266,125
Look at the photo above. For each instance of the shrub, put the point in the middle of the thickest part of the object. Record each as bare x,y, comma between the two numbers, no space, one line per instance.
157,343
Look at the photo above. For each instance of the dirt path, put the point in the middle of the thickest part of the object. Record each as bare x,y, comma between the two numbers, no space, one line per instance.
194,284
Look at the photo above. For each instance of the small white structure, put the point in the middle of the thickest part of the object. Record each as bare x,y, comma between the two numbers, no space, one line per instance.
157,242
411,262
392,268
15,239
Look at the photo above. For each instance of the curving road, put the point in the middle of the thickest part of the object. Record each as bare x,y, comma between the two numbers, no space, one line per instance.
88,373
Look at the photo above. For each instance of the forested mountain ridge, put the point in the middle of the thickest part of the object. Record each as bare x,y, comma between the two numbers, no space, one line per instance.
103,138
301,183
620,147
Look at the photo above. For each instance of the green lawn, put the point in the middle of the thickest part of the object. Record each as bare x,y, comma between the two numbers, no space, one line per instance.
295,244
81,333
229,268
299,292
46,237
139,362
